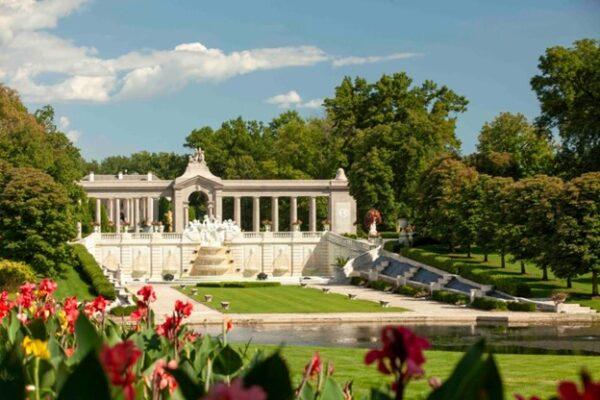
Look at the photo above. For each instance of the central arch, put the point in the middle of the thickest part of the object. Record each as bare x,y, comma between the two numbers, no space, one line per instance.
198,205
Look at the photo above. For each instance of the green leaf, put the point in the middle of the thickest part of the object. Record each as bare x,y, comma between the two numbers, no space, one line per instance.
331,390
189,389
87,380
37,329
13,327
227,362
307,393
12,376
86,338
379,395
272,374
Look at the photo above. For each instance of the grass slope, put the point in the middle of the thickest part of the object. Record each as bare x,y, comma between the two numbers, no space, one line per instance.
71,283
580,292
524,374
284,299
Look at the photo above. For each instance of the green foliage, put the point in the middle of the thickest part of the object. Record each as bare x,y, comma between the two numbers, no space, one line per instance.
250,284
487,303
357,280
13,274
122,311
517,306
408,290
93,272
568,87
35,220
164,165
511,146
449,297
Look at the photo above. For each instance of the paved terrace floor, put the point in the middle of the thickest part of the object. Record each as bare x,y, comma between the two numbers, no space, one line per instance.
418,311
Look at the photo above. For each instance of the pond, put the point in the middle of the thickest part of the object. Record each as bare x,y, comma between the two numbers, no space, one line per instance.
544,339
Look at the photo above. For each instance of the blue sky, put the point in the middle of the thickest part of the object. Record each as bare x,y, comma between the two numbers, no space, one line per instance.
112,73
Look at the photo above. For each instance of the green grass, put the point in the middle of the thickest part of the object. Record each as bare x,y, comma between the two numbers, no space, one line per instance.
284,299
524,374
70,283
579,293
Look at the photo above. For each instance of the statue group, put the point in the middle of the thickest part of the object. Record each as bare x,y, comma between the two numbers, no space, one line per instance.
210,232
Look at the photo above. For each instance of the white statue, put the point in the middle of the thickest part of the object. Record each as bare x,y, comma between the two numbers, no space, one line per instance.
373,229
210,232
198,156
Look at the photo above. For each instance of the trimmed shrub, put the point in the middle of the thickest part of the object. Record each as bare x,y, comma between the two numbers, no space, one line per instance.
262,276
168,277
357,280
517,306
122,311
522,290
13,274
237,284
449,297
93,273
408,290
486,303
389,235
379,285
392,245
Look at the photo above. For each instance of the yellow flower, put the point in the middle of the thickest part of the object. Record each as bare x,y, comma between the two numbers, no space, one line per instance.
35,347
62,318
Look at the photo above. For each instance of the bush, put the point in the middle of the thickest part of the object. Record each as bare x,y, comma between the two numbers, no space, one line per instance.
262,276
449,297
408,290
122,311
357,280
13,274
237,284
486,303
389,235
379,285
523,290
517,306
392,245
93,273
168,277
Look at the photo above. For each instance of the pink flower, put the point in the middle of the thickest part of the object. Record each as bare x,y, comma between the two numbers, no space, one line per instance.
118,362
184,309
161,378
147,294
25,297
46,310
46,288
314,366
140,313
235,391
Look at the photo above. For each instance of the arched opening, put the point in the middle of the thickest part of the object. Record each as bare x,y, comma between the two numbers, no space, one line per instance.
197,206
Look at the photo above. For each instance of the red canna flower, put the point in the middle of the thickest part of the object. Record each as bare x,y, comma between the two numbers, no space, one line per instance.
568,390
118,362
228,325
235,391
45,311
5,304
401,355
98,305
46,288
140,313
161,379
147,294
314,366
184,309
69,351
169,328
71,312
25,297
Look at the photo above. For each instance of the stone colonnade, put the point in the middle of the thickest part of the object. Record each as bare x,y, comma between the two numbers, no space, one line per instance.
131,211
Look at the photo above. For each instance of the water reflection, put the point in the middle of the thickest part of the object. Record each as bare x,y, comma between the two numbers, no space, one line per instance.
551,339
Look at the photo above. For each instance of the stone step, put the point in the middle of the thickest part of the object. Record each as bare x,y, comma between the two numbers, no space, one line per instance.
574,308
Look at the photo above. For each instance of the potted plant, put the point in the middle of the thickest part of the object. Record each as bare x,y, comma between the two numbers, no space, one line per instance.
326,224
267,225
296,225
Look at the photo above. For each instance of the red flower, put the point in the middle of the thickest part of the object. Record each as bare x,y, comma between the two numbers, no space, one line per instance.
147,294
229,325
520,397
71,312
161,378
25,297
118,362
183,309
169,328
46,287
140,313
401,348
313,368
69,351
567,390
98,305
45,311
5,305
235,391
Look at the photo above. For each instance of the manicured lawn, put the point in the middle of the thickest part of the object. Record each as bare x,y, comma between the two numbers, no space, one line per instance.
283,299
70,283
525,374
579,293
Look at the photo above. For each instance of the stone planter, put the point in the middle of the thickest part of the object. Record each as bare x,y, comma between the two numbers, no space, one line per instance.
296,227
267,228
208,298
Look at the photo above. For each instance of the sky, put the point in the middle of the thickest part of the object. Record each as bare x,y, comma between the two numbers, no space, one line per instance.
132,75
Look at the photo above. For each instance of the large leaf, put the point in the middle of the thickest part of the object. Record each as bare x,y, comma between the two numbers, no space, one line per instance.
273,375
88,380
227,362
379,395
331,390
86,338
13,327
307,392
37,329
12,376
190,389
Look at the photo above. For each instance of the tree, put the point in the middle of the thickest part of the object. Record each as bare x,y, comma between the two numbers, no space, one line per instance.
568,88
534,204
448,203
163,164
576,241
411,125
35,220
511,146
493,232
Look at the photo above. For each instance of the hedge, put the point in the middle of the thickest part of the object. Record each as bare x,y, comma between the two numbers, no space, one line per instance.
486,303
450,297
379,285
237,284
408,290
506,285
93,273
517,306
13,274
122,311
357,280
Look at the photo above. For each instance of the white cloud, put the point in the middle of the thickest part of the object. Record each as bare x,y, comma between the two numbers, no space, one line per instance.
72,134
63,123
292,99
46,68
344,61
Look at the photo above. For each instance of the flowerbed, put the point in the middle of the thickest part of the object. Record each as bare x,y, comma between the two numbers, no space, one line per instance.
71,350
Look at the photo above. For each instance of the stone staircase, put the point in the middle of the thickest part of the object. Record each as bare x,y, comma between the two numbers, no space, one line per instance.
211,261
574,308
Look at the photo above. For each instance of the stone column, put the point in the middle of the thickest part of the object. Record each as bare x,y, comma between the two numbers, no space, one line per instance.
218,206
118,213
210,209
98,211
155,207
186,215
136,218
111,210
142,211
150,209
275,213
293,211
256,214
237,210
312,214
